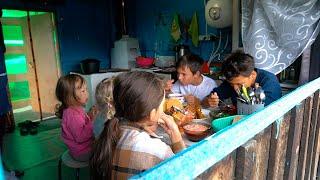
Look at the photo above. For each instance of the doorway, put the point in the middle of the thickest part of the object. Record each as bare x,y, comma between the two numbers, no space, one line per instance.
32,63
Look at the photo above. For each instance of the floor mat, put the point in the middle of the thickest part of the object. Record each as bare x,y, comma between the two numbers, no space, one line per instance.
24,152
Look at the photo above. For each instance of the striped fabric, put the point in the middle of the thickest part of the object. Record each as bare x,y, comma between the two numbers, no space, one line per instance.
136,151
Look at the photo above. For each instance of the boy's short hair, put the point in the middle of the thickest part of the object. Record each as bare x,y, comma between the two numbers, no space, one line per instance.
236,64
192,61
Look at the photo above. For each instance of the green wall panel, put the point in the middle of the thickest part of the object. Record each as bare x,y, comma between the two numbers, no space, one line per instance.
16,64
19,90
13,35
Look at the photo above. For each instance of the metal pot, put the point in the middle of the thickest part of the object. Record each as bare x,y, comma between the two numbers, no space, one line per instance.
90,66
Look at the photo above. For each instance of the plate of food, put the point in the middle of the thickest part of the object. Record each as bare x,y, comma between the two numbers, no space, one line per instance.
183,114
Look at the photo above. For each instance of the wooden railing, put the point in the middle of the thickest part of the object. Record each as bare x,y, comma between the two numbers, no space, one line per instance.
280,142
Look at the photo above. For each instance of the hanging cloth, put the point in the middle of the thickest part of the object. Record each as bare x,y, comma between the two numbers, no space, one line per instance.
175,28
194,30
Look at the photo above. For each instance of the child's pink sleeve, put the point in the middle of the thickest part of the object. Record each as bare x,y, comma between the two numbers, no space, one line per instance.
81,127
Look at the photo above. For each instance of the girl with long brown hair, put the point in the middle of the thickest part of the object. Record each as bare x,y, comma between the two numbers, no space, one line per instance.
125,147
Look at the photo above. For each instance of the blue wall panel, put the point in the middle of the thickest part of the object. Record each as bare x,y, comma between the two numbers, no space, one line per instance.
150,22
83,34
83,29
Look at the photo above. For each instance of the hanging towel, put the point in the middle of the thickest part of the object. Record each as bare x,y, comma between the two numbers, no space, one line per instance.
175,28
194,30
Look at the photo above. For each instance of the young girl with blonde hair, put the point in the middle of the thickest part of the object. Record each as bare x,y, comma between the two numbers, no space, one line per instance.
104,102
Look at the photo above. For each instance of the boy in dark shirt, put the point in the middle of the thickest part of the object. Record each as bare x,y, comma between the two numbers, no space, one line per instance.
239,70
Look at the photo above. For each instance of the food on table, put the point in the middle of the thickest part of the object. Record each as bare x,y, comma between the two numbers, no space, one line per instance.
196,131
196,127
196,110
172,102
180,117
183,115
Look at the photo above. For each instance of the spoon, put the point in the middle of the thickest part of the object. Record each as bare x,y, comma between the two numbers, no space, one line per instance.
242,100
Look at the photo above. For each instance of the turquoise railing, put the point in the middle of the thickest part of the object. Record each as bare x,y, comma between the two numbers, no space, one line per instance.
196,159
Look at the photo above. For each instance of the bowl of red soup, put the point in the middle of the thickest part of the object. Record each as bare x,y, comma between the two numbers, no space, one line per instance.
196,131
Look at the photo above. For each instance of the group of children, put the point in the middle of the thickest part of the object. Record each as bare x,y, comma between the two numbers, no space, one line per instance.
116,135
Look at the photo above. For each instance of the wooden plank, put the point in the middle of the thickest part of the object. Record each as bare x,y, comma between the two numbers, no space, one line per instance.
312,134
45,60
224,170
278,148
304,138
316,149
246,160
293,144
318,173
252,158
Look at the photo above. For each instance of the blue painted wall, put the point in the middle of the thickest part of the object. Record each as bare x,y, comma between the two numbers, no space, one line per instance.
87,28
150,22
84,29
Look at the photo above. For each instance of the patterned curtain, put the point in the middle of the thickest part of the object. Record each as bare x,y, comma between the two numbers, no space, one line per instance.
276,32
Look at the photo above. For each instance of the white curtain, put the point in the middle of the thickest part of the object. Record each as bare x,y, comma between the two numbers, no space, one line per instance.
276,32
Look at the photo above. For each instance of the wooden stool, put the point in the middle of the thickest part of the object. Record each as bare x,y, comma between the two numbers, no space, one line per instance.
70,162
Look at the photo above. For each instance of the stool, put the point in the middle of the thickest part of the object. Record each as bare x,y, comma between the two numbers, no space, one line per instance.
70,162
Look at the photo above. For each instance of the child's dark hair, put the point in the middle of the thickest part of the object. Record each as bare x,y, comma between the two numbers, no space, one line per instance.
192,61
65,92
135,95
236,64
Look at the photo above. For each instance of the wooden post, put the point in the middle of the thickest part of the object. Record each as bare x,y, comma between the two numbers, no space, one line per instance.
278,148
312,134
293,144
252,157
304,138
318,173
316,148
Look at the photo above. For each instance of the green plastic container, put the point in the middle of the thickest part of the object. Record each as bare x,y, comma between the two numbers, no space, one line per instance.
221,123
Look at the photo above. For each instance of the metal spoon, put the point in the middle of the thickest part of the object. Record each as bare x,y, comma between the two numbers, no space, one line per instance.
242,100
